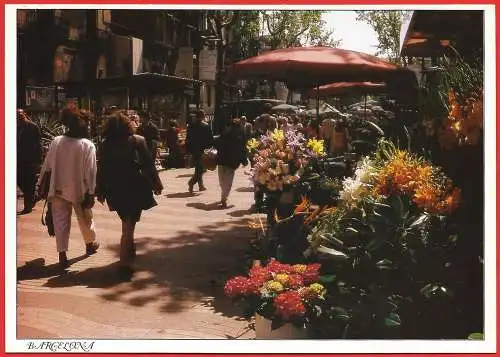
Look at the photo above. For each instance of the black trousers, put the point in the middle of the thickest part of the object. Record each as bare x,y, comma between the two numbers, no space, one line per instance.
198,172
26,181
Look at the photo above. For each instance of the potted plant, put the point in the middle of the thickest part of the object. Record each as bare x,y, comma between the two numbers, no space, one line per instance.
285,299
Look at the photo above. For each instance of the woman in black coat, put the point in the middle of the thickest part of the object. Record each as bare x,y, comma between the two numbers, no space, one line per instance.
231,152
126,178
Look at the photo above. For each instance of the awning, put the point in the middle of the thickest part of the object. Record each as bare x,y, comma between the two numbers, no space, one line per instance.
425,33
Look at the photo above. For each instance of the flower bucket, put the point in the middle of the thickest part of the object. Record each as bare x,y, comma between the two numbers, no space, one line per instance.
263,330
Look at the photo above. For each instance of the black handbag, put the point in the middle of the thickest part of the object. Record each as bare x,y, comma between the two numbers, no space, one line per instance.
47,219
43,189
145,185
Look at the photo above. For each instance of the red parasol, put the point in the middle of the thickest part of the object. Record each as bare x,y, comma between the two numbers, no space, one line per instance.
346,87
306,67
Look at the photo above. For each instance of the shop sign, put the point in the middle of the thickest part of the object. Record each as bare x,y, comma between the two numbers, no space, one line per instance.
184,66
40,98
208,64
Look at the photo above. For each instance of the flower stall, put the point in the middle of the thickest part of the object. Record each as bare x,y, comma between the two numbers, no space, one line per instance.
285,299
390,227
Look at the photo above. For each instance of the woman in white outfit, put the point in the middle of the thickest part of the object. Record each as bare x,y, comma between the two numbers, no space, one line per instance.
71,159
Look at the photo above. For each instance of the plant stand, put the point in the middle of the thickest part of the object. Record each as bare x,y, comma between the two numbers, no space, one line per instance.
263,330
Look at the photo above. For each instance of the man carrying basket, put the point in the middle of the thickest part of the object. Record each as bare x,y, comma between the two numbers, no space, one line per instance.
199,137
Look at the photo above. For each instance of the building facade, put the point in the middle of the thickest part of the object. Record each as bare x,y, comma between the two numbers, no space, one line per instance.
132,59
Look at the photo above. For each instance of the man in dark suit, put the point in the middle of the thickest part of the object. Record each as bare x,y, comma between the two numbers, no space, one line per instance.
29,156
151,133
198,138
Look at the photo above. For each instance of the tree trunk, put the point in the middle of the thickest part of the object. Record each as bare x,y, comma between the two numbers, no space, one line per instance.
219,89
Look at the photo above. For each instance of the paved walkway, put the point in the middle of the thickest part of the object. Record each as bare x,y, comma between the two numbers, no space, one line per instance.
186,248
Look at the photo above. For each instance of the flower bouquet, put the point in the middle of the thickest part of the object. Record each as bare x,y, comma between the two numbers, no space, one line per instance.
282,293
278,158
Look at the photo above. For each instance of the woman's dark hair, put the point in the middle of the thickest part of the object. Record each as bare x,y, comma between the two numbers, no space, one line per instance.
76,121
117,126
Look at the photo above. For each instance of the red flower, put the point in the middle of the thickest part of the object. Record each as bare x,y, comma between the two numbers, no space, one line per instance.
289,304
238,286
279,268
260,273
295,281
311,274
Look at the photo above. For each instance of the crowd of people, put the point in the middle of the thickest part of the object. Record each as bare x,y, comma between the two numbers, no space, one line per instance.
120,170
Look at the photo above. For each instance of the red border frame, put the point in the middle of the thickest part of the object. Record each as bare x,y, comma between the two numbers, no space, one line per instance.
226,2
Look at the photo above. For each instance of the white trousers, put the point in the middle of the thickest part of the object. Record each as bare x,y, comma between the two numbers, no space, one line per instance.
61,213
226,176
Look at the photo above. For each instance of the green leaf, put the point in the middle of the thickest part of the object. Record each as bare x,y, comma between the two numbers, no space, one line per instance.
332,253
429,290
476,336
331,238
374,244
327,278
392,320
420,220
398,206
350,229
384,264
376,127
340,314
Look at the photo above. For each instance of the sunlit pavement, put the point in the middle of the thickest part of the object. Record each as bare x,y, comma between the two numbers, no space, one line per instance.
186,248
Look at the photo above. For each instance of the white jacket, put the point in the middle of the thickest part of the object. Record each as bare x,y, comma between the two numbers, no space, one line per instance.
72,162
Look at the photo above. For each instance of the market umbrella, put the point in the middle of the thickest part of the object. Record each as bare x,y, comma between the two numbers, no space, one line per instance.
347,87
285,108
307,67
324,109
333,89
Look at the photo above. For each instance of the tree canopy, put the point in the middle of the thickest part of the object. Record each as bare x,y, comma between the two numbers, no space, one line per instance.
288,28
387,25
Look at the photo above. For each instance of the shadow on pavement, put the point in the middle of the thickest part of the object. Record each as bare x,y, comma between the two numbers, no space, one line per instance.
36,269
184,176
245,189
177,273
181,195
207,206
99,277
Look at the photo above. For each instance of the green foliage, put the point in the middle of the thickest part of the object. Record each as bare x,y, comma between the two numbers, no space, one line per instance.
387,25
394,269
50,127
293,28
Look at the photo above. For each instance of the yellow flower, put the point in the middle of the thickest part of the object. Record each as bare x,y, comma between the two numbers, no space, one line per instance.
317,146
278,135
253,144
281,278
299,268
317,290
275,286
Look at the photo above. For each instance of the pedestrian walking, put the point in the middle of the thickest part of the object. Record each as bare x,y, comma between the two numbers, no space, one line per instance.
150,132
71,161
29,155
247,127
198,138
231,153
174,149
126,178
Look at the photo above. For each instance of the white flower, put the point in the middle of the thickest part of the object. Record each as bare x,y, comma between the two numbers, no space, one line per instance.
353,191
364,171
